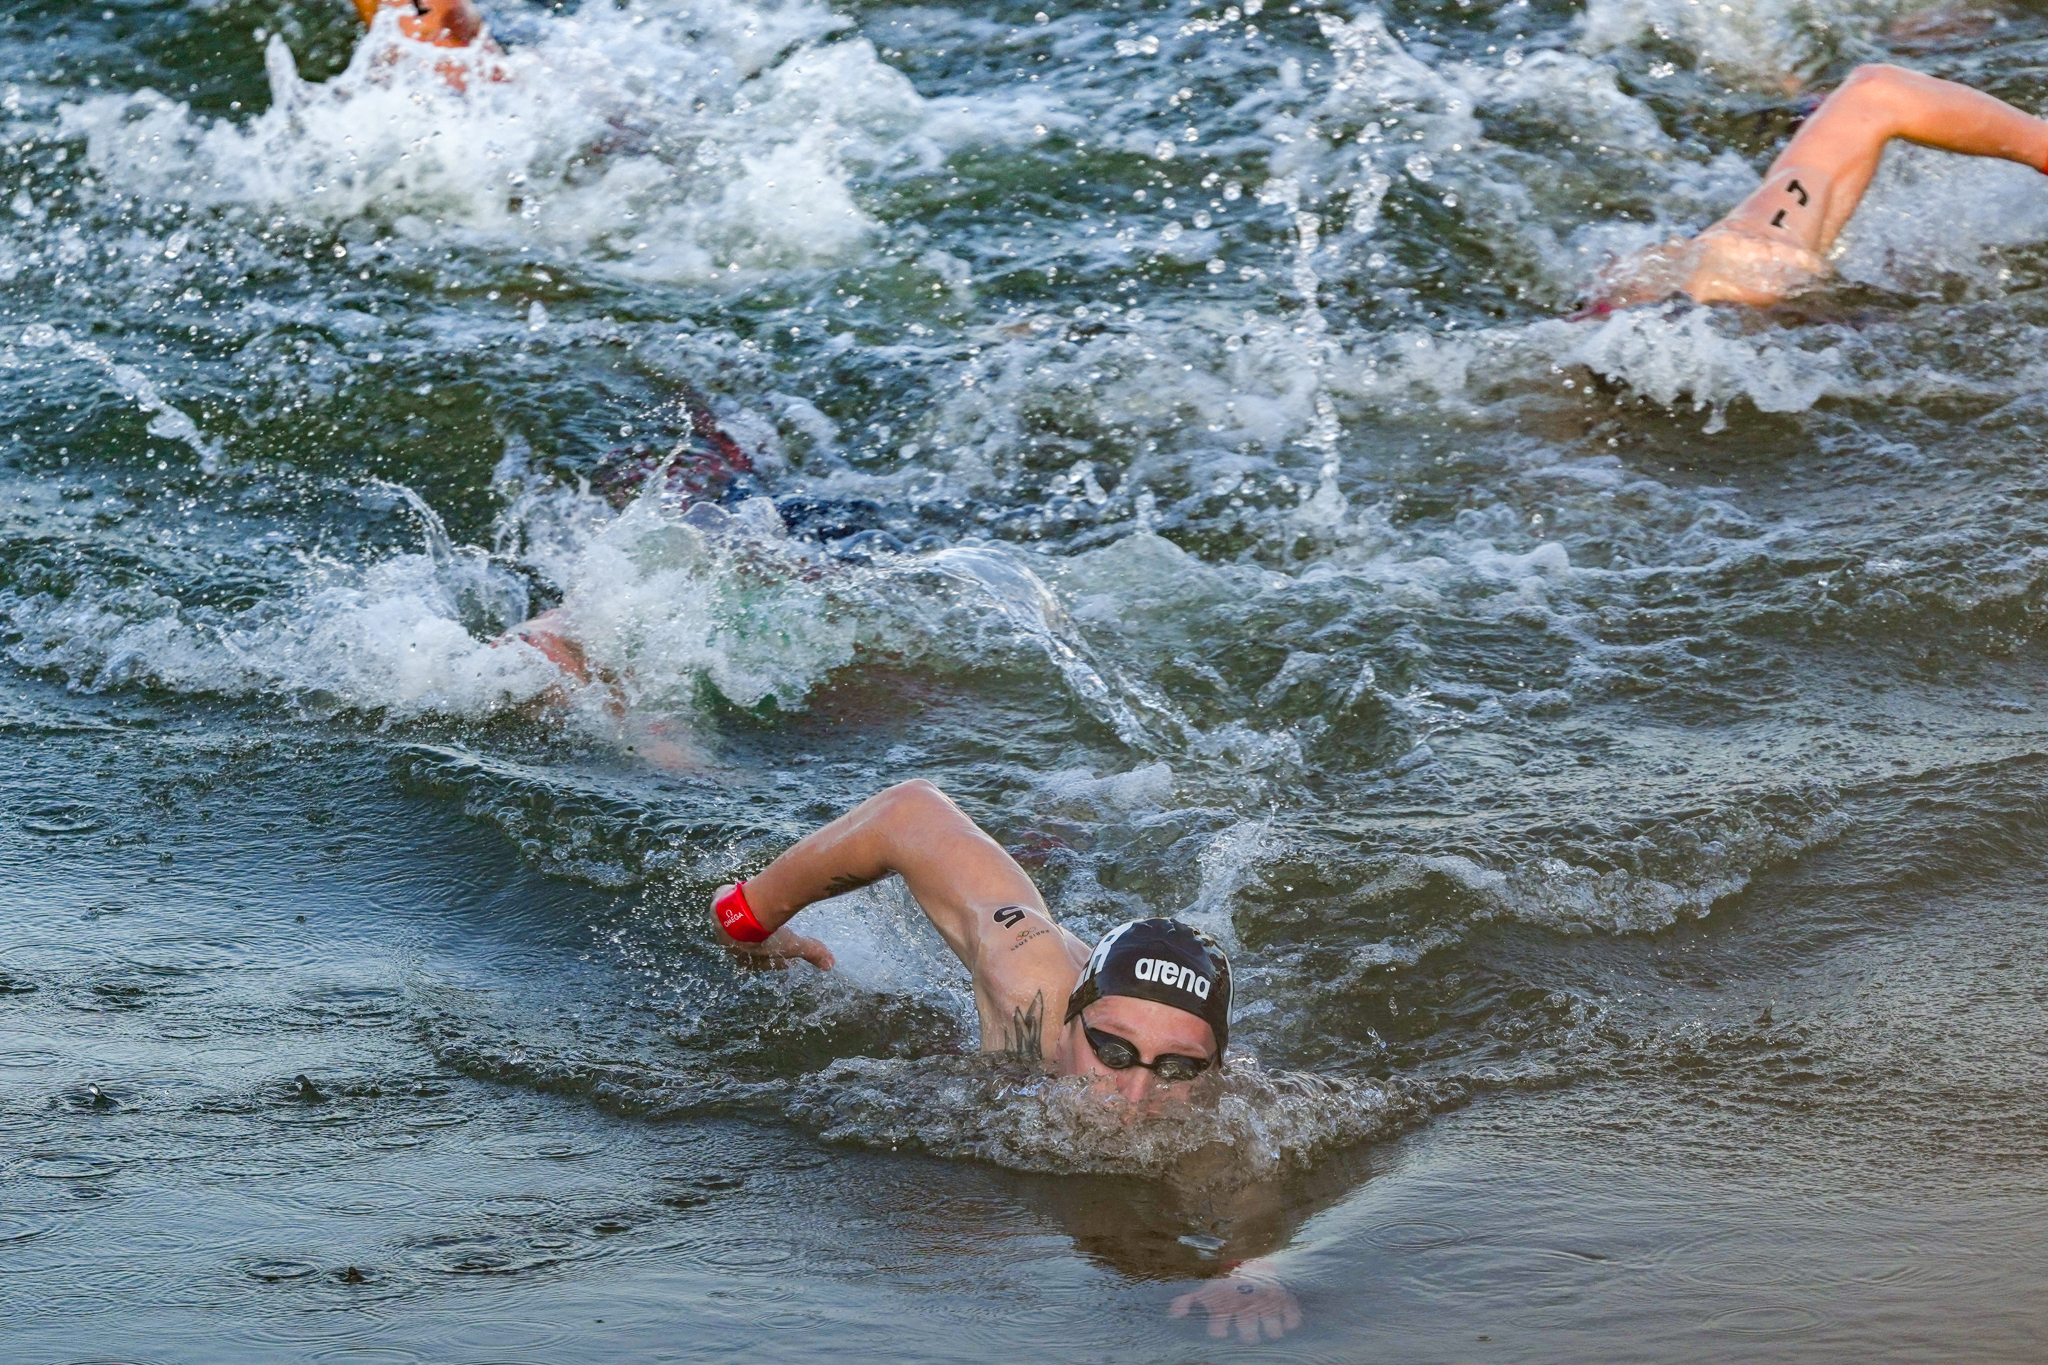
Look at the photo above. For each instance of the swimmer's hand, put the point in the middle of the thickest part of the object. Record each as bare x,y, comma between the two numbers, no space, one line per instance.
779,949
1250,1298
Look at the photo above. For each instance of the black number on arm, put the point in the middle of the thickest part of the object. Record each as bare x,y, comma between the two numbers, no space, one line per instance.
1010,916
1024,1035
1796,188
1778,219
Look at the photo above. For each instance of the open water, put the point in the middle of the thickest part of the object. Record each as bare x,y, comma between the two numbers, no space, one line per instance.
1613,752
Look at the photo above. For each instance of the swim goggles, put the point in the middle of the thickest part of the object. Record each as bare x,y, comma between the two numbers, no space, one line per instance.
1119,1054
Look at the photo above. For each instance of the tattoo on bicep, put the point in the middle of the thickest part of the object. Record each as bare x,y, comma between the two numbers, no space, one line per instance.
846,882
1024,1035
1023,939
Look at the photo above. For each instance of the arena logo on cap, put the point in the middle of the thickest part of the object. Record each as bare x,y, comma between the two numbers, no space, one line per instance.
1172,974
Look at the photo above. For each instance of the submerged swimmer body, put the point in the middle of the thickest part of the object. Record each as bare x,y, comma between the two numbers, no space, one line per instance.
1141,1016
1775,243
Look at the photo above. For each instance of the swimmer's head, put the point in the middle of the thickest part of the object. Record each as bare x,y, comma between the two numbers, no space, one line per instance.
1150,1012
443,23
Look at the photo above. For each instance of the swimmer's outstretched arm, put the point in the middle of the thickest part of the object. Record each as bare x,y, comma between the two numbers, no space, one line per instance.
1833,156
981,902
1774,243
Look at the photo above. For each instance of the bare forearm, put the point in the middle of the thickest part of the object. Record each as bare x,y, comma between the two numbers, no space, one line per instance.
843,856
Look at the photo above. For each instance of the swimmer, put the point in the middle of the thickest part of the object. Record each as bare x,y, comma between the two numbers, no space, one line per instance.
452,24
1141,1016
441,23
1775,243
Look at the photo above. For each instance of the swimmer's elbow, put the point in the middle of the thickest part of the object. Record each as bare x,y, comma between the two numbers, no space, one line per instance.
910,814
1880,85
916,799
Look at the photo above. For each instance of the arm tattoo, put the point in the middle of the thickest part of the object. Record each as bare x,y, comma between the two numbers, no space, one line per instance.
1024,1035
1029,935
846,882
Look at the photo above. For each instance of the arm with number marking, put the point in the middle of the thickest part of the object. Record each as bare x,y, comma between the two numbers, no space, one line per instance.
975,895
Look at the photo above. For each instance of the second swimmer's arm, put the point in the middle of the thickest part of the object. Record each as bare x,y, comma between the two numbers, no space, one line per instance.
1839,147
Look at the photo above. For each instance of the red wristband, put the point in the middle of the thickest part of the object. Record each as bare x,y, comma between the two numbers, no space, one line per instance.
736,917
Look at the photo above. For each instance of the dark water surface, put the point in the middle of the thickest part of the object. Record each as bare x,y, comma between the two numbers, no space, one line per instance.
1613,753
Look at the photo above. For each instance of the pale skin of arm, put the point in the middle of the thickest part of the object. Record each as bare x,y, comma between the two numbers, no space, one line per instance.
1772,240
1023,964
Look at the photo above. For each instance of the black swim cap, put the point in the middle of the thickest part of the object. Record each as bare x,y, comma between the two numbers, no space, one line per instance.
1163,960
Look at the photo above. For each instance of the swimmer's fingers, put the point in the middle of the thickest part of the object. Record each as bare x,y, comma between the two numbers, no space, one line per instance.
1228,1302
785,946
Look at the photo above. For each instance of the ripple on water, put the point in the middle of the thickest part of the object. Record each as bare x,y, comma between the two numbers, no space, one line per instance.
356,1197
109,994
27,1058
38,955
368,1355
1414,1235
517,1206
740,1252
22,1227
174,955
1770,1320
61,817
493,1338
695,1190
69,1165
397,1142
355,1007
299,1114
488,1253
518,1147
1764,1257
271,1270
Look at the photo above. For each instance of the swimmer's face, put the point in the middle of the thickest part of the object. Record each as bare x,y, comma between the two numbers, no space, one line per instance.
1155,1030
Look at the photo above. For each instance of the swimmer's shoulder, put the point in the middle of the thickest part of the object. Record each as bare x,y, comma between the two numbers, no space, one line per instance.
1025,951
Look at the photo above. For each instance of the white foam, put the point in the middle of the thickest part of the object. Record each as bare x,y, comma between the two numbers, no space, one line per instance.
384,639
668,141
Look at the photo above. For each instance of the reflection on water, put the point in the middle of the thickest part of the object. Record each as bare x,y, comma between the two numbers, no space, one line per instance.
1609,750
